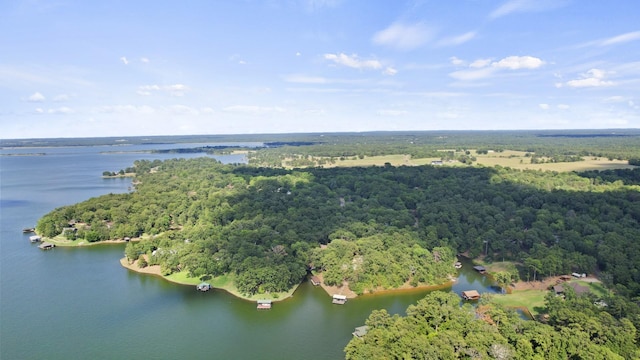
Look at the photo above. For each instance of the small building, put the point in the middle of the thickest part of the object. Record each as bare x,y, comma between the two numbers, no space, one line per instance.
35,238
203,286
46,246
577,288
360,331
436,162
315,280
28,230
339,299
457,265
480,269
264,304
471,295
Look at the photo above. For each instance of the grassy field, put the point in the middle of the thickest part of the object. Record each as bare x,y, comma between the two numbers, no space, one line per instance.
507,158
532,299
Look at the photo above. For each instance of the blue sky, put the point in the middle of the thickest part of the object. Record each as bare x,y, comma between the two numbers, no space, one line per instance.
113,68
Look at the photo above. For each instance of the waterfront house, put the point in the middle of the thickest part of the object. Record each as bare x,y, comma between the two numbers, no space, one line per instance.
203,286
315,280
35,238
339,299
264,304
577,288
471,295
360,331
46,246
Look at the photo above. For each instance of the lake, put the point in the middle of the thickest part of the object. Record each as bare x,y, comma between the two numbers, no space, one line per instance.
70,303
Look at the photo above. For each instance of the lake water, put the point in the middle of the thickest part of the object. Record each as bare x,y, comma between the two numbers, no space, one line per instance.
74,303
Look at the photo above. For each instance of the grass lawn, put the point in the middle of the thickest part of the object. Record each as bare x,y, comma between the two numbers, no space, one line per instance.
533,300
595,287
225,282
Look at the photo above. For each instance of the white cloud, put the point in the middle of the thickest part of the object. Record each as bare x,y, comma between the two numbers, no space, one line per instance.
390,71
61,110
484,68
592,78
563,106
144,60
519,62
124,60
524,6
39,111
623,38
353,61
36,97
455,61
403,36
480,63
457,40
174,90
544,106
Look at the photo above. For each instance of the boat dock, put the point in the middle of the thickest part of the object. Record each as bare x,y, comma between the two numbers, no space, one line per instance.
339,299
264,304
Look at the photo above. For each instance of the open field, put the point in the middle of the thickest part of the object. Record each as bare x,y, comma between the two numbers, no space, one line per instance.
532,299
507,158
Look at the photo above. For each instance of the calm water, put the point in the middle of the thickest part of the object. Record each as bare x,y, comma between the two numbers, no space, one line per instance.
72,303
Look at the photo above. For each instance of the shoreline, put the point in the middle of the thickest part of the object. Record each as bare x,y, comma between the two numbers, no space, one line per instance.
83,243
220,283
405,288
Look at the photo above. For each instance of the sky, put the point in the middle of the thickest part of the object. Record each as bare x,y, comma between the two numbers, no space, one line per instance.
75,68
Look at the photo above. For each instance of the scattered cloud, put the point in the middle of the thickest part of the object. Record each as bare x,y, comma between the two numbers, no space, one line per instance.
455,61
353,61
519,62
592,78
619,39
544,106
183,110
173,90
39,111
124,60
61,111
36,97
483,68
525,6
457,40
403,36
390,71
144,60
480,63
563,106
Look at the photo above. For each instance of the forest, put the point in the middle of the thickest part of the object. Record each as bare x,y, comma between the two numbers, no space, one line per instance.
382,227
437,327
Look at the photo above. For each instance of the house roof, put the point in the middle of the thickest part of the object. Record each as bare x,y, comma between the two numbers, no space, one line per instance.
579,289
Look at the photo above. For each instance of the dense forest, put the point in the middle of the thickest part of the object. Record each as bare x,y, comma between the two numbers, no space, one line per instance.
437,327
265,224
380,227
